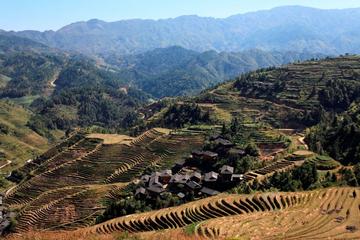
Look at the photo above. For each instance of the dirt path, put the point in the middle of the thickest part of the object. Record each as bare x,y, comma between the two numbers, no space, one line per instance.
7,163
302,141
54,78
9,190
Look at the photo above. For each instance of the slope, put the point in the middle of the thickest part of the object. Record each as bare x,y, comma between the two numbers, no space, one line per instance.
177,71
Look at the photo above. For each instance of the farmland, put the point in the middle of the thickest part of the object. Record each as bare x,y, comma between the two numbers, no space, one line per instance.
68,184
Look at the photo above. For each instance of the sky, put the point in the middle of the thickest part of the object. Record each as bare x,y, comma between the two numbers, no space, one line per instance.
54,14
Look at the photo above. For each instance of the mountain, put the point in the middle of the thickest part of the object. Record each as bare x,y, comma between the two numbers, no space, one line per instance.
177,71
323,95
64,90
18,142
92,183
280,29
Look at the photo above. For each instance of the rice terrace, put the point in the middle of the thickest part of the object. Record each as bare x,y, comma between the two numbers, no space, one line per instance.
224,120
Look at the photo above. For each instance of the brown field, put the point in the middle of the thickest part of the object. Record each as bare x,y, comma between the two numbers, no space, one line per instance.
322,214
70,182
112,138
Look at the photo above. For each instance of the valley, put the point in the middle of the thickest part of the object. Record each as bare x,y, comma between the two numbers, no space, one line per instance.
245,127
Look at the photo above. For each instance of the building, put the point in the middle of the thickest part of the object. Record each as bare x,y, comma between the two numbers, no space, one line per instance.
181,195
237,177
145,179
210,156
214,137
224,143
196,177
211,177
204,155
236,152
165,176
140,192
179,178
193,185
209,191
226,172
155,190
155,180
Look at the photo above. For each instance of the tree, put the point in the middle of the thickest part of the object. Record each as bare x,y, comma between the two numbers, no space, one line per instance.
306,174
252,150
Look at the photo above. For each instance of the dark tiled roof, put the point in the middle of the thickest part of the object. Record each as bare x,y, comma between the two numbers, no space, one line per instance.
215,136
140,190
237,151
166,173
179,178
224,142
193,185
145,178
211,176
205,153
196,175
197,152
237,177
154,180
156,189
181,195
209,191
226,169
210,154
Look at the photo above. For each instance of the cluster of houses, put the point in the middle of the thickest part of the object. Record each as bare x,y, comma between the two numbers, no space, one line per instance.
187,181
191,181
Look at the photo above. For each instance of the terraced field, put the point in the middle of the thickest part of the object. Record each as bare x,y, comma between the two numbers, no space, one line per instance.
331,214
67,208
322,214
71,180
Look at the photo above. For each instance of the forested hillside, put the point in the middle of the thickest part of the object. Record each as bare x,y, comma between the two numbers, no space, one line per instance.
327,92
62,89
177,71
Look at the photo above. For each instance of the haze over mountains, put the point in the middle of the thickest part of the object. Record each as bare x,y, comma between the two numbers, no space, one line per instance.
293,28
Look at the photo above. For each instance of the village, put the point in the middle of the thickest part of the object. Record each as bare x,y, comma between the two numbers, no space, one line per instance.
197,178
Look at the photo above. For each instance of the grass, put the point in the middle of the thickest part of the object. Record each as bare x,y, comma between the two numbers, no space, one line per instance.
190,229
26,100
324,162
18,142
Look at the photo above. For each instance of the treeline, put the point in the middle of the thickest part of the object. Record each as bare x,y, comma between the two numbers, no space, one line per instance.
85,96
179,115
30,73
338,135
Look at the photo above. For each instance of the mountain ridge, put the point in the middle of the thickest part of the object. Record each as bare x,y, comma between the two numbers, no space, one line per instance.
287,28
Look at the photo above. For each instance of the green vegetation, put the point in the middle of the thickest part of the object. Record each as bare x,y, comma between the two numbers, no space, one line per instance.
190,229
324,162
18,142
179,115
129,204
338,136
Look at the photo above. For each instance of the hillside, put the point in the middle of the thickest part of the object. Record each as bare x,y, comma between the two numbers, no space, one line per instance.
177,71
298,29
62,89
18,142
318,214
321,214
247,134
78,175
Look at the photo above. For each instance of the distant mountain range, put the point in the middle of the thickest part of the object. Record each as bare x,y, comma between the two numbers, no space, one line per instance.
299,29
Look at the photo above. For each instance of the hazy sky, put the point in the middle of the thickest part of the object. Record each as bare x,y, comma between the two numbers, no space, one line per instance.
53,14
